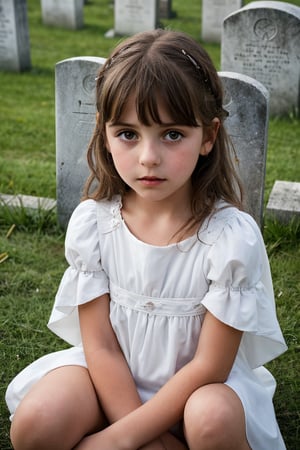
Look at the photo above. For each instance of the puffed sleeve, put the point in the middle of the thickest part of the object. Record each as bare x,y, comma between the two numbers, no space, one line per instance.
240,289
84,279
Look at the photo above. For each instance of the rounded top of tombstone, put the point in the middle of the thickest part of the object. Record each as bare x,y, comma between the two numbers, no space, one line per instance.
93,59
242,78
280,6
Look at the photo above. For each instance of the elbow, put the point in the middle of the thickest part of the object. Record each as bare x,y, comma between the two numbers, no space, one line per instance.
207,373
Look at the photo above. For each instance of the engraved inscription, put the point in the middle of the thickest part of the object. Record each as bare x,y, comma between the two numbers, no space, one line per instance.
265,29
85,120
89,84
227,103
266,62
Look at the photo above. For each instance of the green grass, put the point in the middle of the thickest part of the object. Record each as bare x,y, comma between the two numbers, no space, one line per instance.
30,274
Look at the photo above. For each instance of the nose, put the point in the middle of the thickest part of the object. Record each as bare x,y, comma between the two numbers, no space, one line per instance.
150,154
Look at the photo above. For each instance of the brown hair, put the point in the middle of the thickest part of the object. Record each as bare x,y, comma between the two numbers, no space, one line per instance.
172,67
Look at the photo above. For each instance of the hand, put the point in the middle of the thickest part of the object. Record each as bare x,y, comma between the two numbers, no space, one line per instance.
99,441
165,442
154,445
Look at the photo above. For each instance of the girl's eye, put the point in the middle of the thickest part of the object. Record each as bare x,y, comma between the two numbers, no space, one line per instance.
173,136
127,135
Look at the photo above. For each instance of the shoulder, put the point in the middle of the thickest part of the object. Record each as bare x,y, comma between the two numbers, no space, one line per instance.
89,214
237,254
228,221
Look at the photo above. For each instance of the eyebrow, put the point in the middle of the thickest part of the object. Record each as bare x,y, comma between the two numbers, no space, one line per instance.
132,125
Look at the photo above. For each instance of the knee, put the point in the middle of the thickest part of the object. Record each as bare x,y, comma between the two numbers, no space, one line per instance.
207,422
30,426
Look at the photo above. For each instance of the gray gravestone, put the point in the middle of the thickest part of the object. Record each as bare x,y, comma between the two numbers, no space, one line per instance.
165,9
247,102
75,120
213,15
262,40
284,201
14,36
63,13
133,16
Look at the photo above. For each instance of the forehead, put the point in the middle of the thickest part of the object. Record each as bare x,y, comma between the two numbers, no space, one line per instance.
131,113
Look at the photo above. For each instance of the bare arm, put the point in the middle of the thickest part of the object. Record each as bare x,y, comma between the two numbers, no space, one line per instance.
217,348
108,369
107,366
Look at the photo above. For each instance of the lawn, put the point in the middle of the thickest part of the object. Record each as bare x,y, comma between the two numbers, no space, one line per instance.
32,253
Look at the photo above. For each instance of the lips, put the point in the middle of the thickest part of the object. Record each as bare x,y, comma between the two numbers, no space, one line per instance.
151,181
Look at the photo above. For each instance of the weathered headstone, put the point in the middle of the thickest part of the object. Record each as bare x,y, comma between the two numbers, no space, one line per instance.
14,36
213,15
262,40
28,201
165,9
284,201
75,120
133,16
247,102
63,13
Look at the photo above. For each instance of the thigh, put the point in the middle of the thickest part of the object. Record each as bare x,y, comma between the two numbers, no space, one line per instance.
59,409
214,418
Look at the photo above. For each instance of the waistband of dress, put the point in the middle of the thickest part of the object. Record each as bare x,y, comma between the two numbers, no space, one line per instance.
176,307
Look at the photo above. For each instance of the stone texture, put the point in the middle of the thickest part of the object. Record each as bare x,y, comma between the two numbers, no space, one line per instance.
165,9
262,40
14,36
63,13
133,16
213,15
75,120
247,102
28,201
284,201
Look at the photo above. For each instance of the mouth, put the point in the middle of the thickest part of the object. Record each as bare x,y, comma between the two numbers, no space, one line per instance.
151,181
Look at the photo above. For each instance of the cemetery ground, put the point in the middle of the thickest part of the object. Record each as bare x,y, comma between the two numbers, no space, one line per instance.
31,243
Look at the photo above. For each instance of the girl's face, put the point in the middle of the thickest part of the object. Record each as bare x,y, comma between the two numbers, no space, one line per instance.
156,161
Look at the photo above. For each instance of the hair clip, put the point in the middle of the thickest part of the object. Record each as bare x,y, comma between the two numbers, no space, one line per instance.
195,64
192,60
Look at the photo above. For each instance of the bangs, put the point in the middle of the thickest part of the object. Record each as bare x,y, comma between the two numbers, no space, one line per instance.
151,85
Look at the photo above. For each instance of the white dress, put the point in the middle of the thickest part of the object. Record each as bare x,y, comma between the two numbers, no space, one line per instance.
159,296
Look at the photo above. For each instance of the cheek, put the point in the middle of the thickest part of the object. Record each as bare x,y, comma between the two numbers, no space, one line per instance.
186,163
121,161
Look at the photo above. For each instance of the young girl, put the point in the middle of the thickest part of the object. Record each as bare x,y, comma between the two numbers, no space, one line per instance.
168,299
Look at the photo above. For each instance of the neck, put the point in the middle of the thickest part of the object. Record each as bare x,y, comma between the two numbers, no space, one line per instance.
156,222
169,208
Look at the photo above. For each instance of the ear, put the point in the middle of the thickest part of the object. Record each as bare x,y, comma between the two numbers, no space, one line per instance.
210,137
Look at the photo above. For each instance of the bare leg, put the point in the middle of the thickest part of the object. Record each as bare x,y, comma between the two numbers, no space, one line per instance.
214,419
57,412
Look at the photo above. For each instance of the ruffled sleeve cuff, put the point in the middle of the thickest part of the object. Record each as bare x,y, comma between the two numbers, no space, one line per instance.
240,293
84,279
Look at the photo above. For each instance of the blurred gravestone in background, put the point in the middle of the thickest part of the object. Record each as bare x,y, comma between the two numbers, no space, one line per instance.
213,15
165,9
133,16
14,36
63,13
